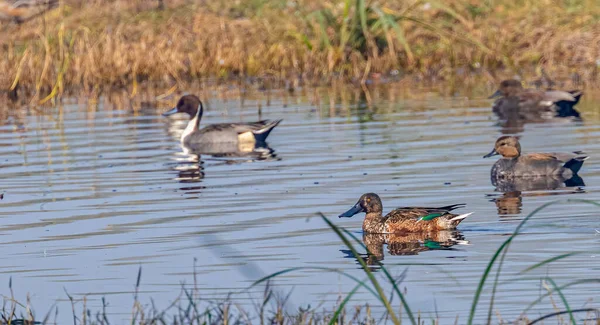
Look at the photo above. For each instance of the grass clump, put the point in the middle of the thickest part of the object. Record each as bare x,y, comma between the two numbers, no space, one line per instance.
87,46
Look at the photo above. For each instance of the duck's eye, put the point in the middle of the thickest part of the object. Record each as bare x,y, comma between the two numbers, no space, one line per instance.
368,200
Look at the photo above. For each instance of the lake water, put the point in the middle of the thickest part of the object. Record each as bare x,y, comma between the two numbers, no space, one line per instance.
94,191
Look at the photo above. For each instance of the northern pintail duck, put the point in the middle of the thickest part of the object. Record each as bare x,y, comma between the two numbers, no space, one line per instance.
556,102
408,219
230,133
22,10
514,164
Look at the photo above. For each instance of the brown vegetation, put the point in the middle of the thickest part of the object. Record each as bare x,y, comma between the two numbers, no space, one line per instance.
89,46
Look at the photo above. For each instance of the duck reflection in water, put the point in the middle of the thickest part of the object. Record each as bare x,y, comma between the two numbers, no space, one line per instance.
190,169
409,243
511,201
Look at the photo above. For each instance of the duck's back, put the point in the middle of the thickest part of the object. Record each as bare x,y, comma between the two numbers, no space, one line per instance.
406,214
409,218
214,133
230,132
531,165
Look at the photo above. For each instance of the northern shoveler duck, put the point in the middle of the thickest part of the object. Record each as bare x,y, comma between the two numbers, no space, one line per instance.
408,219
233,133
513,164
556,102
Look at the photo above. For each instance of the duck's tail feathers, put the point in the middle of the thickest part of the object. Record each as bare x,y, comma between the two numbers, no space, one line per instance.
577,95
565,107
262,133
575,163
453,207
460,217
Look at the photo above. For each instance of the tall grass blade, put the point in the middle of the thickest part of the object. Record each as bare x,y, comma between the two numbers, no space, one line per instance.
564,286
490,265
450,11
362,14
564,300
548,261
537,320
366,269
273,275
323,28
338,311
389,277
505,245
344,32
398,31
494,288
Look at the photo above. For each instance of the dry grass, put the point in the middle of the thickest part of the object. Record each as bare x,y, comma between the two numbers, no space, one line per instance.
90,46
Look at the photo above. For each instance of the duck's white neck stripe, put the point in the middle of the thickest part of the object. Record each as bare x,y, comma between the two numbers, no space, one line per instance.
192,124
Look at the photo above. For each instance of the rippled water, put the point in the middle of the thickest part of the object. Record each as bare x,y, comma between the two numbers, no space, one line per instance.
92,192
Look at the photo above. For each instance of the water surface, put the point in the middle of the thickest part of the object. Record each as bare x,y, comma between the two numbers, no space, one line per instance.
93,192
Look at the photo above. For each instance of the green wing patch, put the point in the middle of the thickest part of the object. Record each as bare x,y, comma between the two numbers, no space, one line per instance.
431,216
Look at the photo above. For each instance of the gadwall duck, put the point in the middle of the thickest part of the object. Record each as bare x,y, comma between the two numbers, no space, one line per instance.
514,164
557,103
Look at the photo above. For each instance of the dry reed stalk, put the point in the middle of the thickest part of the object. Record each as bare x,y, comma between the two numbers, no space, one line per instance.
93,45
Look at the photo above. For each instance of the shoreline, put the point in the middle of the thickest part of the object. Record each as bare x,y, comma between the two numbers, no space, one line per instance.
88,48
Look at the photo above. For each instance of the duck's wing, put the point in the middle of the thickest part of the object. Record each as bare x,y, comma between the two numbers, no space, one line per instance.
572,161
532,99
561,156
254,127
538,156
236,127
558,95
445,208
423,213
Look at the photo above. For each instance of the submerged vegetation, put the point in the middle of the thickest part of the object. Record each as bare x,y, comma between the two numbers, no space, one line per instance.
271,308
90,46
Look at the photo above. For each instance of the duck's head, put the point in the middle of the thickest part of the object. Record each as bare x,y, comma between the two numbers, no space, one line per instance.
507,146
508,88
188,104
368,203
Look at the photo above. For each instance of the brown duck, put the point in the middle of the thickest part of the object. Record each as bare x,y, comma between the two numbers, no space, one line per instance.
408,219
514,164
554,102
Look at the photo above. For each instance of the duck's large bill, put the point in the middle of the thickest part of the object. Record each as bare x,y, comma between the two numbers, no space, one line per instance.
354,210
170,112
